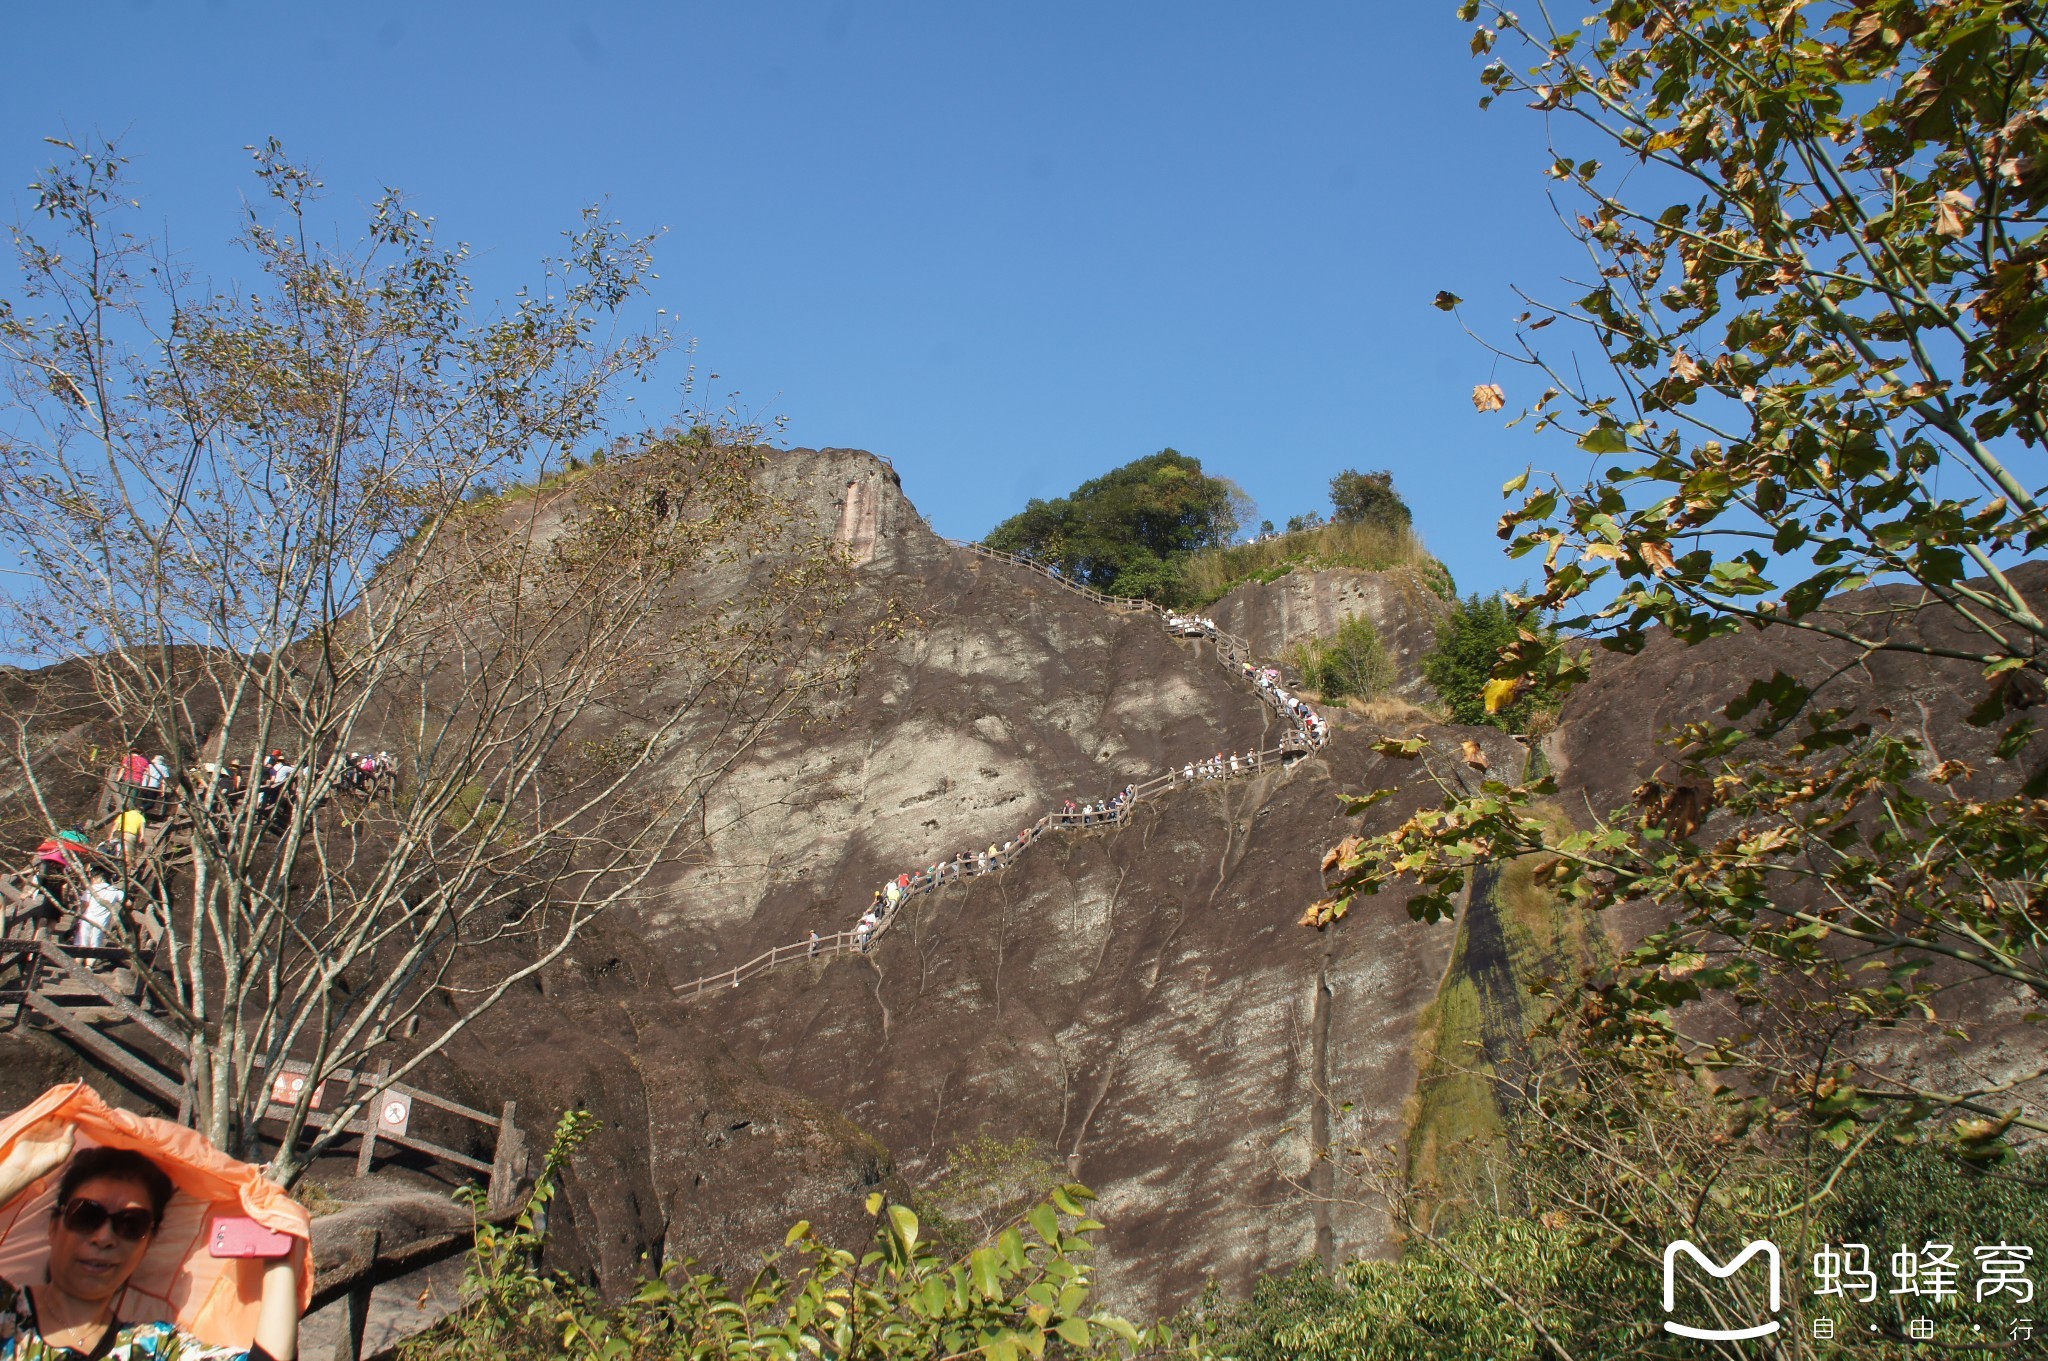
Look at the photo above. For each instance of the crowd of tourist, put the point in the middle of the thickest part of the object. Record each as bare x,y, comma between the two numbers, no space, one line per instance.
1305,725
81,882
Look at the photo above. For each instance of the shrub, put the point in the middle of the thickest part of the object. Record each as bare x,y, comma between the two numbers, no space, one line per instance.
1023,1294
986,1184
1367,545
1354,662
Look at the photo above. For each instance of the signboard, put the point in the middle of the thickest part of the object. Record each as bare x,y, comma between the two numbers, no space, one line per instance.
286,1086
394,1113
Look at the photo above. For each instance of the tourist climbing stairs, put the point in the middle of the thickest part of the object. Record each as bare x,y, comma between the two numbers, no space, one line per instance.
99,1000
1299,740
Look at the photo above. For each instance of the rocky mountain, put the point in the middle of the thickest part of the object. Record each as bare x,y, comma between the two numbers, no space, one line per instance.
1136,1005
1404,605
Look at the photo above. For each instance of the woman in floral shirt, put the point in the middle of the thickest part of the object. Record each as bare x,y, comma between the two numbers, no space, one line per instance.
109,1207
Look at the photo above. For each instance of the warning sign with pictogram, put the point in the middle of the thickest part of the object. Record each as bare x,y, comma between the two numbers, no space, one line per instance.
394,1113
286,1086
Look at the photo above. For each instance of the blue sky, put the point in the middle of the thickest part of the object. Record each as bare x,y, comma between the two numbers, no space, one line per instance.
1008,246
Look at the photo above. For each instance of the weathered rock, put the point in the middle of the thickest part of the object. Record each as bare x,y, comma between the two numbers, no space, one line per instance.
1138,1002
1275,615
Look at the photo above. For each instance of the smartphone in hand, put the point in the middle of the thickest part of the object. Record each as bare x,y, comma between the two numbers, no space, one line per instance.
240,1236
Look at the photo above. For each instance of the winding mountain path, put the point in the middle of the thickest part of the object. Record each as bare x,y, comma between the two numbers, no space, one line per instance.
1304,735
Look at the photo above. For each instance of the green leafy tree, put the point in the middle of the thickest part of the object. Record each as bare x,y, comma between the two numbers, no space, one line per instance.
1470,641
1820,294
1129,530
1367,498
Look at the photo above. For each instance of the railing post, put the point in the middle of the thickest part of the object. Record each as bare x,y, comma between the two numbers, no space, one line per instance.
508,1162
356,1309
373,1112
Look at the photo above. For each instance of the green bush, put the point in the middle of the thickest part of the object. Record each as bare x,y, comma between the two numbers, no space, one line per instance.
1519,1275
1354,662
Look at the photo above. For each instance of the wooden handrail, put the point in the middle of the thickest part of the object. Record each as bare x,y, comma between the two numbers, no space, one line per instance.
19,889
1229,647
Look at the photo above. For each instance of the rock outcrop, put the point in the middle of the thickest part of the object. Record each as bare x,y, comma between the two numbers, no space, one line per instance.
1137,1002
1313,603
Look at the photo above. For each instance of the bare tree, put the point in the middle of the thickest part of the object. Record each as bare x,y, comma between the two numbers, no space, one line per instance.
291,520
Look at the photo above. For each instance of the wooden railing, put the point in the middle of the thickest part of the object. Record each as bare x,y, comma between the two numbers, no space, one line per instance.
53,980
1230,649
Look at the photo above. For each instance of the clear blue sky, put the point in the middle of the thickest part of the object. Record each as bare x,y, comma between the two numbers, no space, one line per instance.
1009,246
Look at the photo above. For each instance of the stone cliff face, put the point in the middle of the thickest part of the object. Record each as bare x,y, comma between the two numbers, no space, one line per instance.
1136,1002
1275,615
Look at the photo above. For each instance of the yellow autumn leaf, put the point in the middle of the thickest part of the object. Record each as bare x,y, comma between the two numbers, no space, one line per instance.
1498,694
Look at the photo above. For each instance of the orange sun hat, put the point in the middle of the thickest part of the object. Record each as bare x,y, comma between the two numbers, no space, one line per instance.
217,1299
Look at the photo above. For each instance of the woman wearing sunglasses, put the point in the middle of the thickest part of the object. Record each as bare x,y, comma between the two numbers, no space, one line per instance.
110,1204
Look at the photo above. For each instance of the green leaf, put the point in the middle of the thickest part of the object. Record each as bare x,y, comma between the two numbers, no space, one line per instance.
1604,438
1515,484
905,1221
1445,301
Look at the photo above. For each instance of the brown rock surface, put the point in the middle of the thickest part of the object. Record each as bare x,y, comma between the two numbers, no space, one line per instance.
1137,1001
1275,615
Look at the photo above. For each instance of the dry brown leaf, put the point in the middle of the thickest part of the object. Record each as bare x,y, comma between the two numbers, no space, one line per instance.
1657,557
1948,772
1475,755
1684,367
1957,208
1488,397
1341,852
